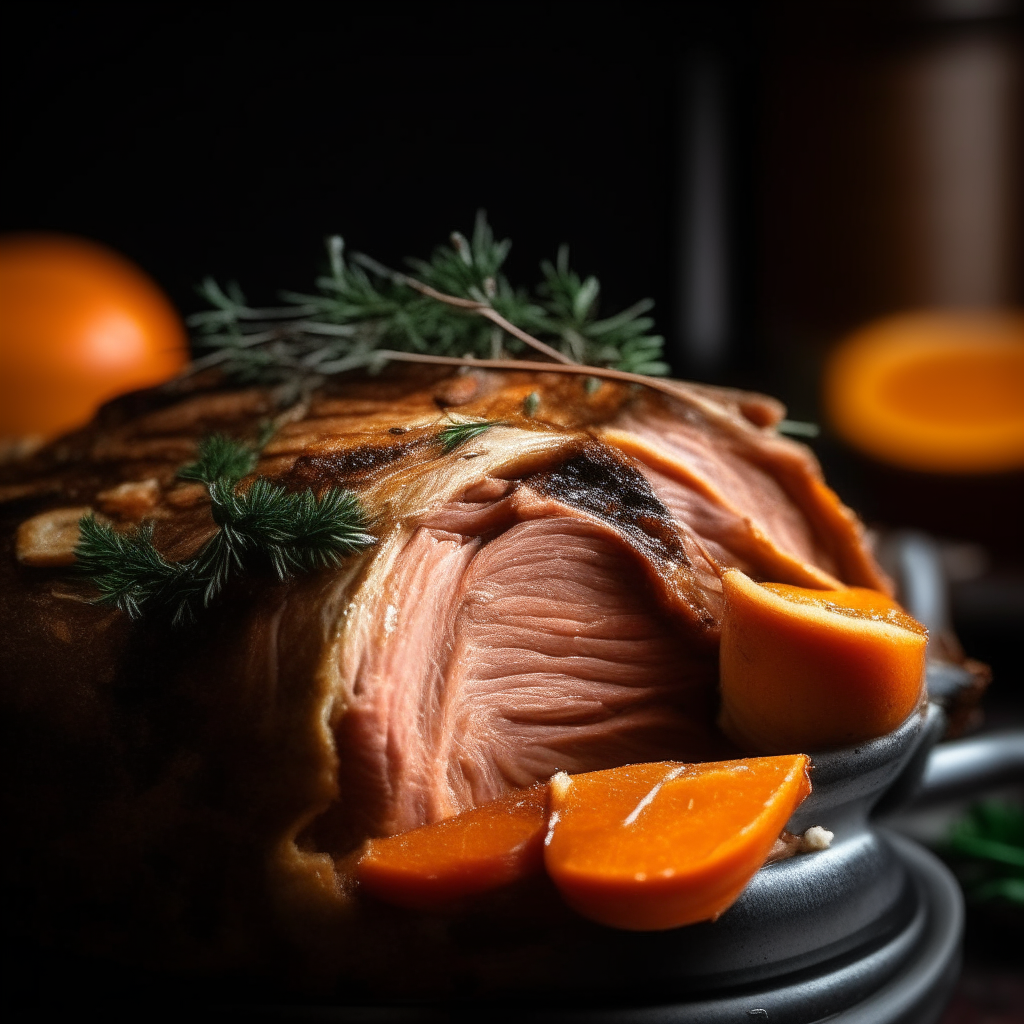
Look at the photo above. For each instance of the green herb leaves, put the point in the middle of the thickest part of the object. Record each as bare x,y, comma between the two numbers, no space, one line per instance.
129,571
798,428
220,459
292,532
297,532
363,311
570,312
987,850
457,434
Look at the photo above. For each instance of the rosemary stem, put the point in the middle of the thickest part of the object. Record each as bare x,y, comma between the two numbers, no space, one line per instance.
668,387
280,313
497,318
471,304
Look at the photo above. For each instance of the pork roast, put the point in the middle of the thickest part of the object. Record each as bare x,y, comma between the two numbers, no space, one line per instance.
543,597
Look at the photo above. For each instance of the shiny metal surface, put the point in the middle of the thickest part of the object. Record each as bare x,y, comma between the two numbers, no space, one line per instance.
963,767
813,935
904,979
866,932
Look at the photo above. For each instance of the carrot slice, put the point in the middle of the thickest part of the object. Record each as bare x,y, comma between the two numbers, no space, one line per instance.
654,846
473,852
811,669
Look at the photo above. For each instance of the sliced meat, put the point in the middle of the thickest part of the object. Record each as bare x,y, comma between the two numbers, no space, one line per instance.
757,498
544,597
501,658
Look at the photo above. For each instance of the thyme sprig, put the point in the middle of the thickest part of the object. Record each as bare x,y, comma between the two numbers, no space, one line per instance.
459,304
292,532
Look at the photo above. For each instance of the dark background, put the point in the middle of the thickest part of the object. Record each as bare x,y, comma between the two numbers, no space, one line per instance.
230,142
231,145
755,143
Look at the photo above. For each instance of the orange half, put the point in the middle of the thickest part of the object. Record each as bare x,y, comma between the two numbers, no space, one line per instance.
935,392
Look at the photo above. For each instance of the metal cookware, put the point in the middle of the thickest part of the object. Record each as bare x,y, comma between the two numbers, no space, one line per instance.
867,931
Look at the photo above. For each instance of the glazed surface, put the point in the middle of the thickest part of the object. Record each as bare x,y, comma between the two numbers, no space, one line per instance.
545,597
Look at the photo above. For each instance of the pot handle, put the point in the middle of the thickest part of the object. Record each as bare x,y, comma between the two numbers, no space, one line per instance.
968,767
956,768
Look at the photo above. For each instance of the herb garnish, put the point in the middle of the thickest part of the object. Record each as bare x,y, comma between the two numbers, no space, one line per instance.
798,428
220,460
456,434
460,305
294,532
987,848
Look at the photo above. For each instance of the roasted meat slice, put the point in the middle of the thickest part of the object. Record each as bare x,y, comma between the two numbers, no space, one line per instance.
545,596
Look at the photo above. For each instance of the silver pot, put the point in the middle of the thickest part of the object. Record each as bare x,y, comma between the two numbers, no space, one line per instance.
868,931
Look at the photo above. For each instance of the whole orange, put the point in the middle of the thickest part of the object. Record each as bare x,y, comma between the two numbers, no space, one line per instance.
79,324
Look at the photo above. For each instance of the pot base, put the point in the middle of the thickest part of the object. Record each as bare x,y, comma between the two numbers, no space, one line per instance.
906,979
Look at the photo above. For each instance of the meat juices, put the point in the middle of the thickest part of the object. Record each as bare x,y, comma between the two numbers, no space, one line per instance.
544,597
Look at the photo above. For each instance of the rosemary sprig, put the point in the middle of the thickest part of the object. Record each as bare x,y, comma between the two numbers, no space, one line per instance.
294,532
128,570
457,434
619,341
220,459
298,532
458,305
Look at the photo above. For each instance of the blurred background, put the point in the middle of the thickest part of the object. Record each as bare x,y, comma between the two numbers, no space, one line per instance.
776,176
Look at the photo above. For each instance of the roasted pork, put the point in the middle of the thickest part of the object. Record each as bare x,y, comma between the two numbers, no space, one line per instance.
544,597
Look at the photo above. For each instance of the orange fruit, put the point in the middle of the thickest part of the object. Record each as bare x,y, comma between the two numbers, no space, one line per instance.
804,669
936,392
79,324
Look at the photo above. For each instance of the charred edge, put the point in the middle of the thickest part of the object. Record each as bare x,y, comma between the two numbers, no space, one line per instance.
595,481
345,467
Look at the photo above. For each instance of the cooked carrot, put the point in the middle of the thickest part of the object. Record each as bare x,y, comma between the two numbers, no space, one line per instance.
811,669
654,846
473,852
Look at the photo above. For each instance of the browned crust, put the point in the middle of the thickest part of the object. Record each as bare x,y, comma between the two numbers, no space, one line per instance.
128,741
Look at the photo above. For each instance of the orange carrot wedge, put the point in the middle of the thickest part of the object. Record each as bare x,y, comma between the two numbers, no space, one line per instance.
473,852
811,669
654,846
